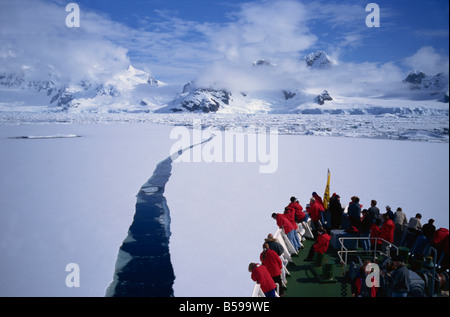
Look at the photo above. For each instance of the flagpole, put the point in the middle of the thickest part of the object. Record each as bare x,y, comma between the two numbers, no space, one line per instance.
326,195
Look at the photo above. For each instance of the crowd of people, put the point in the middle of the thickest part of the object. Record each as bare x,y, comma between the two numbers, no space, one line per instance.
391,227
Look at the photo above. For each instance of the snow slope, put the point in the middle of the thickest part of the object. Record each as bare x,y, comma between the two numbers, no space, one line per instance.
128,90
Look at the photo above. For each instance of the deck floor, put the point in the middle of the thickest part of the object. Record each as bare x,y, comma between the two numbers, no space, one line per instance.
305,279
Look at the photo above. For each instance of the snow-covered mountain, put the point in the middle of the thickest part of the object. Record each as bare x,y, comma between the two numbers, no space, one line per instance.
134,90
319,59
194,99
423,92
211,99
427,85
129,90
263,62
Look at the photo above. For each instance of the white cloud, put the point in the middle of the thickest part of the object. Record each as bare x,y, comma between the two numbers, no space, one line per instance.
34,37
282,38
270,30
267,29
426,59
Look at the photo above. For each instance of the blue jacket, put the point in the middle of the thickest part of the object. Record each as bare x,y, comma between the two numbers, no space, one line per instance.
354,210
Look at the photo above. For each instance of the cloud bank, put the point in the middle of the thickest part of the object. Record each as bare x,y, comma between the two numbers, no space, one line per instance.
34,39
426,59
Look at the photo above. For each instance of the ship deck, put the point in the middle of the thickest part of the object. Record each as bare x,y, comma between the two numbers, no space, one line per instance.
306,279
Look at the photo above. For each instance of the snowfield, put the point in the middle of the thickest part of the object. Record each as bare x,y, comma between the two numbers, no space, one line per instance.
72,199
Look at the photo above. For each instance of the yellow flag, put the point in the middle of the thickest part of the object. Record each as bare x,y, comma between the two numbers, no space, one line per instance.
326,195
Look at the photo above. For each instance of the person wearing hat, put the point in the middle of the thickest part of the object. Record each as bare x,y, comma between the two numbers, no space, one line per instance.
399,277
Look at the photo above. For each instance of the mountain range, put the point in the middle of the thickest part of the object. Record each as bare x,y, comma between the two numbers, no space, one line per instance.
134,90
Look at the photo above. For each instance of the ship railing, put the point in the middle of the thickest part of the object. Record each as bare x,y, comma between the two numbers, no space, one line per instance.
386,249
285,257
257,291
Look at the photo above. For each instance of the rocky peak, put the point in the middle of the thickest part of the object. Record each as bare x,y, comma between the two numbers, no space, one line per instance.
318,59
263,62
324,96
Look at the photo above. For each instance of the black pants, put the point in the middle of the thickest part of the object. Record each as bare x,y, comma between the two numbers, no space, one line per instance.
311,252
355,222
277,279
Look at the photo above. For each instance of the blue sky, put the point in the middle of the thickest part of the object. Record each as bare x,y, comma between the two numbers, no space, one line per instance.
406,25
178,40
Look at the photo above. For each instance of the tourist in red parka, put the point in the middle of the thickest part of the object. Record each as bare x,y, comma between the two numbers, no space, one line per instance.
290,214
387,229
440,239
321,245
261,275
299,214
440,242
315,210
270,259
318,198
272,262
284,223
375,232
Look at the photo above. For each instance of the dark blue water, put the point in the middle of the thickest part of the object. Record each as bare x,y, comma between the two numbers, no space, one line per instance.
143,266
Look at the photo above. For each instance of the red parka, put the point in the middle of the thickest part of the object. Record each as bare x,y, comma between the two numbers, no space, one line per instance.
299,214
387,230
290,214
261,275
375,232
315,210
272,262
322,243
440,239
318,199
284,222
358,284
